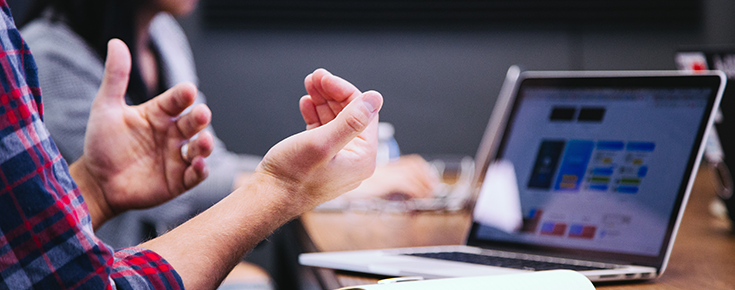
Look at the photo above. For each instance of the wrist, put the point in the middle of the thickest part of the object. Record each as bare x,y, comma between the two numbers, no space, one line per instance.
99,210
280,195
241,179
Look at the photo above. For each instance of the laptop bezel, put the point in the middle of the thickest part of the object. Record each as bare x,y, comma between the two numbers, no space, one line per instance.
492,145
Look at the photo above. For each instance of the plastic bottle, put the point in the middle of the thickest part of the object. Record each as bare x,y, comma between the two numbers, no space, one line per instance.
387,146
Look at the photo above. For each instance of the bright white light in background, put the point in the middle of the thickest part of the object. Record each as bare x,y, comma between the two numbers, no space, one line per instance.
499,203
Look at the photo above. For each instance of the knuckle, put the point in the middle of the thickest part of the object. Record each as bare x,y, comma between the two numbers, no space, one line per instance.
191,123
356,123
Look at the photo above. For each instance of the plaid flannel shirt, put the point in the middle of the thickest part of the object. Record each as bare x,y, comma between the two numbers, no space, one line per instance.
46,235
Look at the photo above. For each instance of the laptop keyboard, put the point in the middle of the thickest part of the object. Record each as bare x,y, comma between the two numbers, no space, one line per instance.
505,262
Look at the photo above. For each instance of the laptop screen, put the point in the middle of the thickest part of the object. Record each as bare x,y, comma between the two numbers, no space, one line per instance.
602,164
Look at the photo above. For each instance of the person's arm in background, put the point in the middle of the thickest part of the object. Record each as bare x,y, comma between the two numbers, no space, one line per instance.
409,176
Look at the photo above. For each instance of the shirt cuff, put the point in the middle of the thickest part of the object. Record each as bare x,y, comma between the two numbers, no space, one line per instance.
137,268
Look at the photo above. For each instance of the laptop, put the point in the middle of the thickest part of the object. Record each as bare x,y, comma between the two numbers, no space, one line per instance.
604,163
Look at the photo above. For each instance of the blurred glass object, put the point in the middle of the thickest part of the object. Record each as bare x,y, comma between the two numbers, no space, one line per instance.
388,149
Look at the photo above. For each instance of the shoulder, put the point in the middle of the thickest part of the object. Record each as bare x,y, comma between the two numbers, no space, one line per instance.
174,48
165,25
169,36
53,42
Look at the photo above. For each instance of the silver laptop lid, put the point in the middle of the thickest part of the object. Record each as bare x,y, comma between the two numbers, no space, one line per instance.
604,160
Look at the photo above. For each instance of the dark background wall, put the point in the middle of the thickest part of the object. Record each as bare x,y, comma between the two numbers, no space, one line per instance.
439,83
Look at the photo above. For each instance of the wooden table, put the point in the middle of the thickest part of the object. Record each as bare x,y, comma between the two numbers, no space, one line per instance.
703,256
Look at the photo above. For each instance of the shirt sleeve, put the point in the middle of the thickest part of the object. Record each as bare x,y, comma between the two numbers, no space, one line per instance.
136,268
46,235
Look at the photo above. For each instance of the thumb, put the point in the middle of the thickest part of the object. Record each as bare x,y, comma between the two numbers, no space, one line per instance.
353,120
117,74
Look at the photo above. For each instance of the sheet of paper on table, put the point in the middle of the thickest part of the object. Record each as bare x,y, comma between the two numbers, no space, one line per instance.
545,280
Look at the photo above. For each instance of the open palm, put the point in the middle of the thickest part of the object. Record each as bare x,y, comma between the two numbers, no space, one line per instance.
134,152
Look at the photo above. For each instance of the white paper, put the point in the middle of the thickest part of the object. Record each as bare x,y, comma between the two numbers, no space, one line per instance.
546,280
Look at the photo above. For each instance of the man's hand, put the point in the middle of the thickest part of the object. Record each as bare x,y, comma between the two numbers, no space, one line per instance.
338,149
333,156
132,155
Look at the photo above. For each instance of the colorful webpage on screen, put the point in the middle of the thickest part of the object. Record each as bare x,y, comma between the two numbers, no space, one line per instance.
600,169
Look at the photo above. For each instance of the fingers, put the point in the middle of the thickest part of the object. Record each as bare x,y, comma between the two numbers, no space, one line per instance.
419,183
323,87
175,100
353,120
196,172
197,150
201,146
195,121
308,111
421,173
329,94
172,103
313,84
337,89
410,175
117,74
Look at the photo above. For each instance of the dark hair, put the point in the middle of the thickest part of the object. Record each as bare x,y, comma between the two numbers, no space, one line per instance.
98,21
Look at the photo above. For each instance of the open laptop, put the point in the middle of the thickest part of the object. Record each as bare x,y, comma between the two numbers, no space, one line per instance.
604,163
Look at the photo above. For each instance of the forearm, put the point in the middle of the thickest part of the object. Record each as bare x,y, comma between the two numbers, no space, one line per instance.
217,239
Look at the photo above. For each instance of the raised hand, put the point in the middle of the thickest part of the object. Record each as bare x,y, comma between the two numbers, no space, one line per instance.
132,154
337,151
298,173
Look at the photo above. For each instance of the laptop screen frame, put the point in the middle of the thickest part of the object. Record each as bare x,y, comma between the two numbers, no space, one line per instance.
492,147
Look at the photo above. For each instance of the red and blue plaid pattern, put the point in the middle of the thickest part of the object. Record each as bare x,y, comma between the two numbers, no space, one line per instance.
46,235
